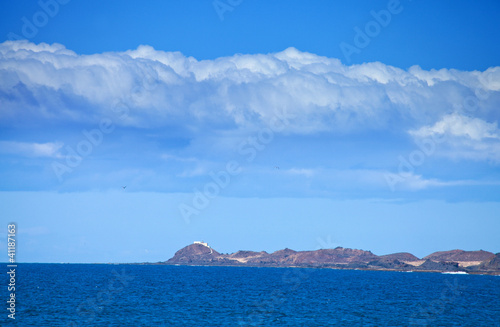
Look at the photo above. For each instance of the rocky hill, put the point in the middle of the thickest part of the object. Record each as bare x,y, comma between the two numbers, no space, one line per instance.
288,257
440,266
460,255
401,256
489,265
445,261
198,254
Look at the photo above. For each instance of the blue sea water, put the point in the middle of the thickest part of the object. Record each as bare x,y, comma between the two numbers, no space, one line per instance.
140,295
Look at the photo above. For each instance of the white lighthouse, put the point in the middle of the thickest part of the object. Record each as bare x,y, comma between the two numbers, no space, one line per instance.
202,243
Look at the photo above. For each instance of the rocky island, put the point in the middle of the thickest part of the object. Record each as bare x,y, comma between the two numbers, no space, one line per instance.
455,261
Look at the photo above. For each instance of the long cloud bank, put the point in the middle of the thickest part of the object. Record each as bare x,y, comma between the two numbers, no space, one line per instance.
313,93
42,82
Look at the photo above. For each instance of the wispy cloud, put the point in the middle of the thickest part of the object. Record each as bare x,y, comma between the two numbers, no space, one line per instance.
413,182
171,157
301,171
49,150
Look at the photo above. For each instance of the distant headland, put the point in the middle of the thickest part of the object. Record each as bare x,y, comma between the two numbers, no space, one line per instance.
454,261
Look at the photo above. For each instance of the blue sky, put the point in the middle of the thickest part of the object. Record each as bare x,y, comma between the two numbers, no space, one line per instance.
250,125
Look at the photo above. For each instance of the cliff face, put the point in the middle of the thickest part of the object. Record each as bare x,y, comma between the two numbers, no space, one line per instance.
440,266
392,264
449,261
489,265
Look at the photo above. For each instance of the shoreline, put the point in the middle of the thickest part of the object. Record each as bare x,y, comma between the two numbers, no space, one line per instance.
461,272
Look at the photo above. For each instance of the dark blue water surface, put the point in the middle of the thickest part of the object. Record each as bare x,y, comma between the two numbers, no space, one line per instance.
136,295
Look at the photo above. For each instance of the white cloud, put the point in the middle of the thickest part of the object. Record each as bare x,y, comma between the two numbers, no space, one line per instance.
461,136
198,170
343,180
171,157
312,92
50,149
34,231
459,125
415,182
300,171
489,80
382,179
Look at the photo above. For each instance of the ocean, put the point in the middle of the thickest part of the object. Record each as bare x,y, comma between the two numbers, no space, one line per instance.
155,295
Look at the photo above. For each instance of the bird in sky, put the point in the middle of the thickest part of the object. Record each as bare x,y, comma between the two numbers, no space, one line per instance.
124,187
